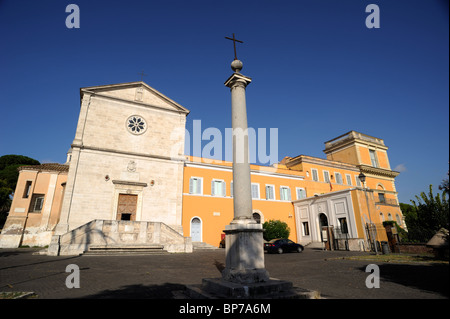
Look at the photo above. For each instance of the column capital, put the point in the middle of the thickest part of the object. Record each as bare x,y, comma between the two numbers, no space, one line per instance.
237,79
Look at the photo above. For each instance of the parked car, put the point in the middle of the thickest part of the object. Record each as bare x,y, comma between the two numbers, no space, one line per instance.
282,245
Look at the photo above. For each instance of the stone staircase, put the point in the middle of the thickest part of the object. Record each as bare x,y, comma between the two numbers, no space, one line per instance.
130,250
119,237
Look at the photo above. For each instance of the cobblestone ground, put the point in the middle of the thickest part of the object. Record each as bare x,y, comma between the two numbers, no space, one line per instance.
164,276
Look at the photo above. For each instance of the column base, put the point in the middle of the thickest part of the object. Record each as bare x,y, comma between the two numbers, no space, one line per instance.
244,253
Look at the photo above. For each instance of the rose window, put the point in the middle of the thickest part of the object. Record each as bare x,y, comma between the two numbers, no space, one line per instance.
136,125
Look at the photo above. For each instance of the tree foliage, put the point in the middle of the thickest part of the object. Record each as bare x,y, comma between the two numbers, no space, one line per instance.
275,229
426,216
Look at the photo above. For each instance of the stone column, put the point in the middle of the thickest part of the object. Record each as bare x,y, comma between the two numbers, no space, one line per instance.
244,240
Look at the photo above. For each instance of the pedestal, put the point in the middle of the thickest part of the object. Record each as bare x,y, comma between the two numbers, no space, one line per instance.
244,253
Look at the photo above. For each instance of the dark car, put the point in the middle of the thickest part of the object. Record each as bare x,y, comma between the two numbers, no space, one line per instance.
282,245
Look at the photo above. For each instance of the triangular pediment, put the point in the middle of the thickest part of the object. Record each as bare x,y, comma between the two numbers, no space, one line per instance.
137,92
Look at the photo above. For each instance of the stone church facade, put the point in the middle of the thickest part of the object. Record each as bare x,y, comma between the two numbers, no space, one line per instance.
125,163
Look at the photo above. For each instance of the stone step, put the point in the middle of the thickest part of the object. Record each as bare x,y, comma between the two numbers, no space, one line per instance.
117,250
203,246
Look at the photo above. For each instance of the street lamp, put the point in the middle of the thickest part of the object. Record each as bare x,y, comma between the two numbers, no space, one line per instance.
362,178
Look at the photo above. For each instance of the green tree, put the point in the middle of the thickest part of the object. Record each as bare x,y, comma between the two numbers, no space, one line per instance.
275,229
428,214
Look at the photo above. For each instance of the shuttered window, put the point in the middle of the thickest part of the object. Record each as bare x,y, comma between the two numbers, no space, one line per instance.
285,193
217,188
301,193
195,185
270,192
255,191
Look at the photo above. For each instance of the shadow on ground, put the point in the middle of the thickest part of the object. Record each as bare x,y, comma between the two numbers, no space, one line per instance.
139,291
430,277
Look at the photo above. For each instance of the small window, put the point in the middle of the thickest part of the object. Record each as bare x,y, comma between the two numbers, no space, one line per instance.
399,221
305,229
37,202
338,178
270,192
349,179
315,174
301,193
326,176
358,181
27,190
285,193
255,191
217,188
257,218
343,224
381,198
373,158
195,185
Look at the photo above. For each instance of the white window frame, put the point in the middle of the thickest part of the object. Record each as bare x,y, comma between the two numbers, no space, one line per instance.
348,179
273,191
374,160
289,193
251,189
358,181
223,188
325,179
231,189
296,192
201,185
317,174
336,175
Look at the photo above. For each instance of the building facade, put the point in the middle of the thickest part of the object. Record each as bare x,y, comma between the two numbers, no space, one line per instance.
127,165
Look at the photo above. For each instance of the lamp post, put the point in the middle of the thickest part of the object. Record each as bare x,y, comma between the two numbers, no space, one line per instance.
362,178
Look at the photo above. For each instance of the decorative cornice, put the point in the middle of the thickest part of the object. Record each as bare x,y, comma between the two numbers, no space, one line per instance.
129,183
378,171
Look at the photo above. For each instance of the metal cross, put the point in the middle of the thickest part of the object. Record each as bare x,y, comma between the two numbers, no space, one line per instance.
142,75
234,44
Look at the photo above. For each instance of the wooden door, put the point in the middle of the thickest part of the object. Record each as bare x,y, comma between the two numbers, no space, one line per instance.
126,207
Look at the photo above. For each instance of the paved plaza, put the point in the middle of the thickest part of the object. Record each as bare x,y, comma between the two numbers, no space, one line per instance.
164,276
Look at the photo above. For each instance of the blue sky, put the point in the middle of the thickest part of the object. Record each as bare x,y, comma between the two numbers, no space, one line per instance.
317,71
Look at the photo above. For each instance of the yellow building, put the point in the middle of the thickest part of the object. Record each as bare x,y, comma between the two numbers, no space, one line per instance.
306,192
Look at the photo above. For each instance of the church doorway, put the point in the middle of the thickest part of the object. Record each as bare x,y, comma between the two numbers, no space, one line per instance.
126,207
323,220
196,229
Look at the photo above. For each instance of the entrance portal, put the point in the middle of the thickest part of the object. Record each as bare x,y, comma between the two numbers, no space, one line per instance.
126,208
196,229
323,221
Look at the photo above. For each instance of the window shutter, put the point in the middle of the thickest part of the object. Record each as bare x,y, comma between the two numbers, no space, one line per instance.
255,191
191,186
198,185
231,189
213,193
224,189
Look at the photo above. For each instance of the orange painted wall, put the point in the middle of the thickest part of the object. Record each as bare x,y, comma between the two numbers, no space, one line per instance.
40,183
216,212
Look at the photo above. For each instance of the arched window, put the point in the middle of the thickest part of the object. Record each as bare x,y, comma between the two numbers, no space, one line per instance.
257,217
382,217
